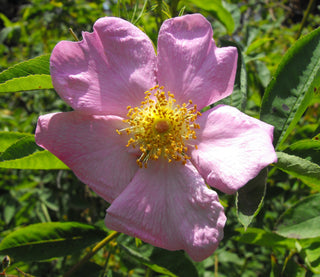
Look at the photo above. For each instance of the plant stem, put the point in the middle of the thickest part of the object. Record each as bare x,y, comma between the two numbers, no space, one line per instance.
73,34
216,264
92,253
173,6
305,17
23,273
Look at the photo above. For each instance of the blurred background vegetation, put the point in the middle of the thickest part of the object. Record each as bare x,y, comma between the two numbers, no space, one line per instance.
263,30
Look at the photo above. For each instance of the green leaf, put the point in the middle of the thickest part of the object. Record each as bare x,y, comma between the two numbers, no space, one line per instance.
31,82
311,254
48,240
307,149
291,89
146,261
257,44
37,66
216,9
175,261
90,269
264,238
250,198
171,263
302,220
24,153
238,98
6,20
8,138
303,169
23,147
33,74
38,160
263,73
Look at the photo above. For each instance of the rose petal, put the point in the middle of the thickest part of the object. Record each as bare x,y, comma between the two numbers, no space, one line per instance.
189,63
107,71
92,149
232,148
169,206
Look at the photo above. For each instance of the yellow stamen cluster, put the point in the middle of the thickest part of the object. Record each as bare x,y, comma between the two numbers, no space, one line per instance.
161,128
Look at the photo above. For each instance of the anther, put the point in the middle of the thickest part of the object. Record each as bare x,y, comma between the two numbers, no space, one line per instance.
160,128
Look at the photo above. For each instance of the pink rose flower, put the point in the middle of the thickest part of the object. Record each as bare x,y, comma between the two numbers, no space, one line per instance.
136,136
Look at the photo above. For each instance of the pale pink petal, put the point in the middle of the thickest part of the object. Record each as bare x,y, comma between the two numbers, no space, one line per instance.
107,71
189,63
232,148
170,206
92,149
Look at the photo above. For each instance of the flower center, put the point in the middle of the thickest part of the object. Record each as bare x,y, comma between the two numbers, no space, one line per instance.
161,128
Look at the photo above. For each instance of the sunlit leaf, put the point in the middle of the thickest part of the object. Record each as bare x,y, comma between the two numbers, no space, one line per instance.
33,74
23,147
311,254
38,160
302,220
8,138
291,89
24,153
31,82
303,169
308,149
37,66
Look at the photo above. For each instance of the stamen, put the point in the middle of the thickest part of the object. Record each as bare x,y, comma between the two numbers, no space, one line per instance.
161,128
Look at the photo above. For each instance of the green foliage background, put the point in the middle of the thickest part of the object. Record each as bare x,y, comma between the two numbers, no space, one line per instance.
278,235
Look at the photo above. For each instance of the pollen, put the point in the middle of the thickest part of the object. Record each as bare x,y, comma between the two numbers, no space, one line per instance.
160,128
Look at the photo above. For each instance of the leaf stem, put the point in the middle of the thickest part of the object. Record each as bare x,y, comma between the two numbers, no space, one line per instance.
91,253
